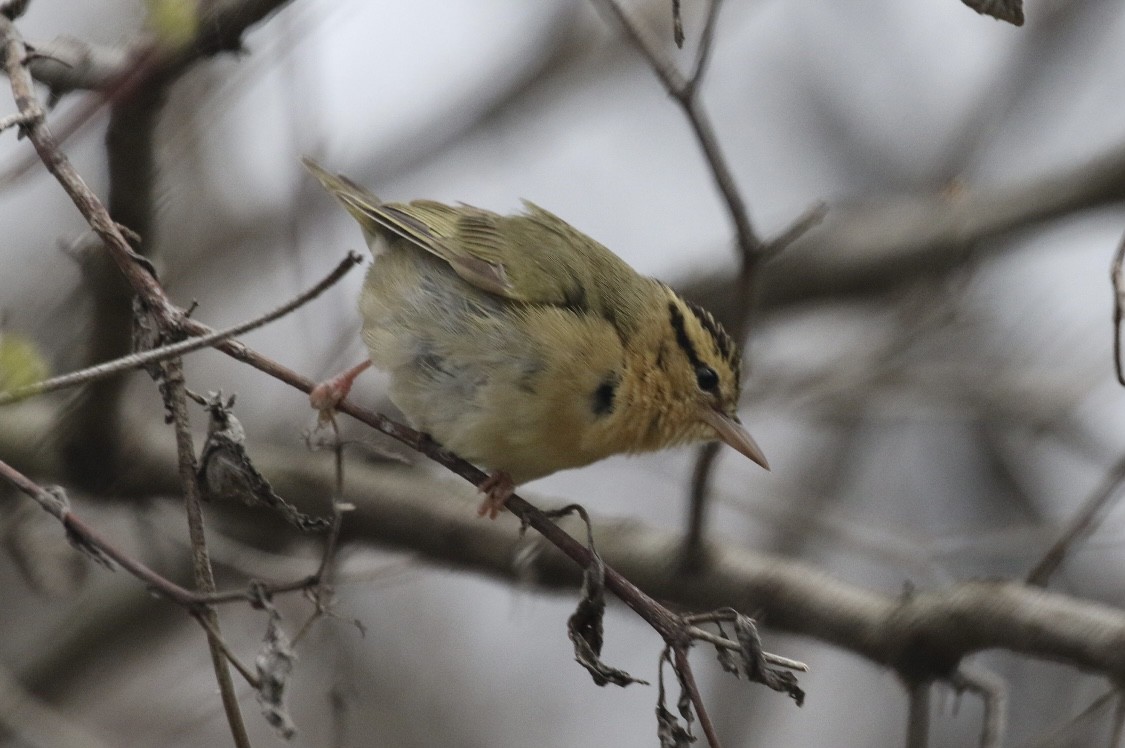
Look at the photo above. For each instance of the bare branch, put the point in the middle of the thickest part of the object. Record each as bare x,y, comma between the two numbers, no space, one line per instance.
994,693
176,401
19,119
1080,527
706,44
155,355
933,628
1117,276
918,718
687,678
56,504
683,90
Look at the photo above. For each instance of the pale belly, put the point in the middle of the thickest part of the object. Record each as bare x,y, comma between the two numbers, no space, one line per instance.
475,373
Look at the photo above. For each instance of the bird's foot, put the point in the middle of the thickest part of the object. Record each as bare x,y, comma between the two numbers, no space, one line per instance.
497,488
328,394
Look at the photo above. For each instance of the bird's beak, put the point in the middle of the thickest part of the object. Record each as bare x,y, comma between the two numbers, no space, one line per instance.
730,431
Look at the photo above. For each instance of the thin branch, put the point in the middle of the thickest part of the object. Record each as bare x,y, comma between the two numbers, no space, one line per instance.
993,692
1059,736
692,555
683,90
41,137
217,637
19,119
813,216
55,503
176,401
677,24
687,678
721,641
324,571
706,44
1117,276
1080,527
932,629
918,718
138,360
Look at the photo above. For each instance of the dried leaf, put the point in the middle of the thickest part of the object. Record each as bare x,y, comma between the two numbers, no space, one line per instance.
585,625
669,730
757,668
227,473
1002,10
274,664
727,661
585,628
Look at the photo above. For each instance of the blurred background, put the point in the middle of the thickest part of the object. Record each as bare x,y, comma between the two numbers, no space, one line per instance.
929,370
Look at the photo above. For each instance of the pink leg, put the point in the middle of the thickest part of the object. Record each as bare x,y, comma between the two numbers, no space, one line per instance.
328,394
497,488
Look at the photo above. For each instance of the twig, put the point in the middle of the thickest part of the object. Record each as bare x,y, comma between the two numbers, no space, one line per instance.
1059,736
993,692
725,643
693,553
683,90
15,120
217,637
92,209
800,226
918,718
176,401
55,503
1117,276
324,571
687,678
706,44
1083,523
137,360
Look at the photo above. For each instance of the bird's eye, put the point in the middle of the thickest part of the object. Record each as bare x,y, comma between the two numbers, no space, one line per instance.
706,378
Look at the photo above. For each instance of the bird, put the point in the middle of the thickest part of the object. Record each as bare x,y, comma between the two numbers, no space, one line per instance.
526,347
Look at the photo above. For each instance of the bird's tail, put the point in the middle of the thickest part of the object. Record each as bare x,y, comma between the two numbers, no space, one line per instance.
358,200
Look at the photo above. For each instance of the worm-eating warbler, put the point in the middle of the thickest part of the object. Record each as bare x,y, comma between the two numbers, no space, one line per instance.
525,346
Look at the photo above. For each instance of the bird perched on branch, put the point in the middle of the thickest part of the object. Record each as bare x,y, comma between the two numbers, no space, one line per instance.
526,347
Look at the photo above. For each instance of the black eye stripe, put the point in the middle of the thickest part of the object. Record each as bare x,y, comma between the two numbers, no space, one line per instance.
682,339
723,341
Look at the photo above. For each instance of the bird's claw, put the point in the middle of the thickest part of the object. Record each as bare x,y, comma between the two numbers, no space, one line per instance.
497,488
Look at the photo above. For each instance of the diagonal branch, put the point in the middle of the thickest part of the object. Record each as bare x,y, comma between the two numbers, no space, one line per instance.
684,91
156,355
1080,527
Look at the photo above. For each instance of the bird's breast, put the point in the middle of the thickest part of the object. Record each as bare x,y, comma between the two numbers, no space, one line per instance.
514,387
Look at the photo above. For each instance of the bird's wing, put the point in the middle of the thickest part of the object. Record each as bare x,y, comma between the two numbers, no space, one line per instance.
428,225
534,257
